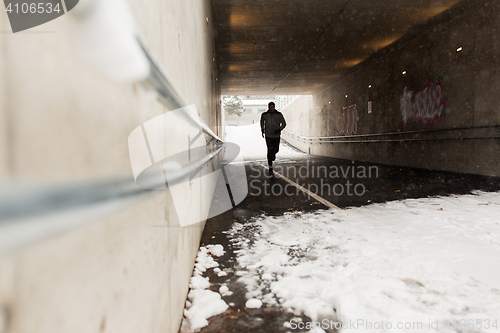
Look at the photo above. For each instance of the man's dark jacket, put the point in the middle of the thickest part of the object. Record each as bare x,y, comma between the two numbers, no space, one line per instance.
272,123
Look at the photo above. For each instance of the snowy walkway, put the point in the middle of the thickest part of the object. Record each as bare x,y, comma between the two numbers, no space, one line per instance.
411,261
285,263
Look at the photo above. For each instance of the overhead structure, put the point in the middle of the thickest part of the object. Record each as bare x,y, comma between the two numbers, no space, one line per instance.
299,46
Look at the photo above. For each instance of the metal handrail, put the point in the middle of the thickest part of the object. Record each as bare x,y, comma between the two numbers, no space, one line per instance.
169,96
341,139
45,199
29,213
32,212
410,140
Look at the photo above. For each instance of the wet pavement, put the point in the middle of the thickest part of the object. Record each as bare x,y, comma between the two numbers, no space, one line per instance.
333,180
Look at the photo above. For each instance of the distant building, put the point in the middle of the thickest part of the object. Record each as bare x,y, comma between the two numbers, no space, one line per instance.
253,110
282,101
254,107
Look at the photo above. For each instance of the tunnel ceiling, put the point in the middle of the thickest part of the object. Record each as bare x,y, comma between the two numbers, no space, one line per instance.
280,47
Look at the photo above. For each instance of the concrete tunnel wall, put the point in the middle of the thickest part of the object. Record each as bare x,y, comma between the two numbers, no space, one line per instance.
61,121
471,93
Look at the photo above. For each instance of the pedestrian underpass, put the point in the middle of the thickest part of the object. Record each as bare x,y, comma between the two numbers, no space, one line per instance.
112,143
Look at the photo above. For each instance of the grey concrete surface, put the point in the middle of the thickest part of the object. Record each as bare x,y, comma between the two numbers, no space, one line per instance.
63,122
297,47
4,136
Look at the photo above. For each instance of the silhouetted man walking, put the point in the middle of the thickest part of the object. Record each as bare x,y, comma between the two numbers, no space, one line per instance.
272,123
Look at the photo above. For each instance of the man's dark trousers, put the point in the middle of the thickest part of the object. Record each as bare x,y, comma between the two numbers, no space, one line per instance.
273,146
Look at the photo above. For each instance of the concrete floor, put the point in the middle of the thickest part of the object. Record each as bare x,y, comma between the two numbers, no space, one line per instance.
392,183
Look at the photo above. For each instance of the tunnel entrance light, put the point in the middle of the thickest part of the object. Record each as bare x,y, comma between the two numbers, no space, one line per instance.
369,86
404,73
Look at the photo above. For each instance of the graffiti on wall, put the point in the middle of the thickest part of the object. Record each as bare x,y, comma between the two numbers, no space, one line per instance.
348,120
426,105
326,114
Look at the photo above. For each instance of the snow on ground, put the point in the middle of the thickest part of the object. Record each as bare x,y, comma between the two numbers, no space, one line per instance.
253,303
402,262
203,303
253,145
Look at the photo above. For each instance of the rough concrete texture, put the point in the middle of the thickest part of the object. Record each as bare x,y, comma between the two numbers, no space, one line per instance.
297,47
4,151
472,94
61,121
